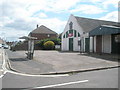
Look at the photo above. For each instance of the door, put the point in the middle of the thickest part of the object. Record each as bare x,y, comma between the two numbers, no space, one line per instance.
115,45
70,44
99,44
87,42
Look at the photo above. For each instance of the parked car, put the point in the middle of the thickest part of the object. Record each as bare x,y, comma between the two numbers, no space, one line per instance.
6,46
0,45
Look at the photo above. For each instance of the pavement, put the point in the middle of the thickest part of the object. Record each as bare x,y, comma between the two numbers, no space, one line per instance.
101,80
54,62
1,61
1,70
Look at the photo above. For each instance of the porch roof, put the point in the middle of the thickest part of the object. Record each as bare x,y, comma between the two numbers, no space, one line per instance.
105,30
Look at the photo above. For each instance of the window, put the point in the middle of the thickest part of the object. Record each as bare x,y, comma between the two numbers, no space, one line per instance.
67,34
71,25
78,34
75,32
71,31
64,36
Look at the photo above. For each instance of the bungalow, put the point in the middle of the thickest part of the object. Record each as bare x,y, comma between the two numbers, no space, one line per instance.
75,36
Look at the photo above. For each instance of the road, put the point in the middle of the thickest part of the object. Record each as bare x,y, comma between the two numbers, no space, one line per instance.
94,79
1,68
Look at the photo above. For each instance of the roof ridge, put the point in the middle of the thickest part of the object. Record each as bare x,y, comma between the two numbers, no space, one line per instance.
95,19
43,29
110,26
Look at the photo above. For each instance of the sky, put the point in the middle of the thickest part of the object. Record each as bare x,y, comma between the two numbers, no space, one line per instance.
19,17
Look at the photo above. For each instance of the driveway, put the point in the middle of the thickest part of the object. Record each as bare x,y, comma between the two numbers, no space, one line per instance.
67,61
55,62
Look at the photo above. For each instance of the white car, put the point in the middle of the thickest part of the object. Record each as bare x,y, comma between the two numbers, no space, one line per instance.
6,46
0,45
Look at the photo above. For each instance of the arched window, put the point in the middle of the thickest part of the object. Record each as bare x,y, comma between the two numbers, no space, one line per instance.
67,34
78,34
64,36
75,33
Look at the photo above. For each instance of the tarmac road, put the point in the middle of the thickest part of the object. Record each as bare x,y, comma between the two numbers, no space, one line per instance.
95,79
107,78
45,62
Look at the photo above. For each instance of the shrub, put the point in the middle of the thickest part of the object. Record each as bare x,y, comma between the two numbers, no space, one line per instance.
40,43
49,45
57,41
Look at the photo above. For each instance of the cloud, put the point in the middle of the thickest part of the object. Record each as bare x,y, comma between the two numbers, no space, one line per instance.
11,34
112,16
88,9
40,15
106,3
53,23
22,27
62,5
19,17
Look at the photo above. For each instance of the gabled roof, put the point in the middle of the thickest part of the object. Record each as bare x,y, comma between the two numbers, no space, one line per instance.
88,24
105,30
43,30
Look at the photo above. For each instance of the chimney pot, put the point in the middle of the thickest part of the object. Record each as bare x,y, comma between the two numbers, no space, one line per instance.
37,25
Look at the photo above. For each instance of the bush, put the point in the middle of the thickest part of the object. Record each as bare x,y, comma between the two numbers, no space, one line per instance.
40,43
57,41
49,45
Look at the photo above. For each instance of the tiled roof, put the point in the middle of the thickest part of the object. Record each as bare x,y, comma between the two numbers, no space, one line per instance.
88,24
43,30
105,30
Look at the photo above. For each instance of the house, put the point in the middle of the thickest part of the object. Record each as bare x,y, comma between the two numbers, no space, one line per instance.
75,36
43,32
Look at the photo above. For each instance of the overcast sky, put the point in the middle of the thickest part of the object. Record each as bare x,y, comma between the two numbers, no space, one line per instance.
19,17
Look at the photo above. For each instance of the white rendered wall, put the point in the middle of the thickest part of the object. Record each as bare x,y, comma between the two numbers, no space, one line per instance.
65,41
65,45
91,44
75,44
106,44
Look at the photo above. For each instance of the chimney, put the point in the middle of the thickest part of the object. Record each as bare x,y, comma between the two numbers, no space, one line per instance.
37,25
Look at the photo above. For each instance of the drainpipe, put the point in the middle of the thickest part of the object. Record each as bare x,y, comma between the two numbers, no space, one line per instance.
93,44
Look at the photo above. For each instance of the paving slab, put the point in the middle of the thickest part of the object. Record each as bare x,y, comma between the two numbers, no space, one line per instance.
56,62
1,61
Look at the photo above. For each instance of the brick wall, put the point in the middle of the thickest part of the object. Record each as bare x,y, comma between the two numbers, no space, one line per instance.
43,36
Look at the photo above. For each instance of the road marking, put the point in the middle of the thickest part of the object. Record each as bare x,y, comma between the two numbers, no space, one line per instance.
18,73
62,84
31,75
1,76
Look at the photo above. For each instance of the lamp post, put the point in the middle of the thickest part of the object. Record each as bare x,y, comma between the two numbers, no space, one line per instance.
30,46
